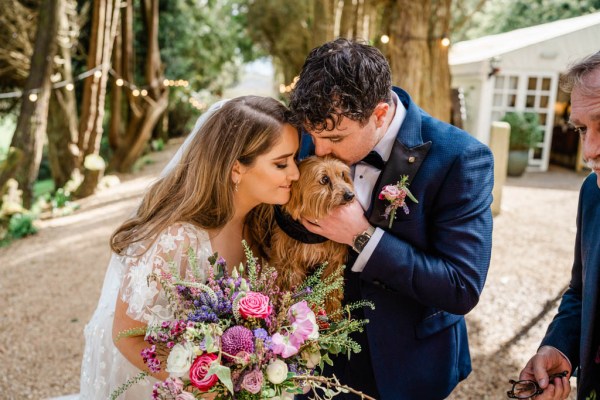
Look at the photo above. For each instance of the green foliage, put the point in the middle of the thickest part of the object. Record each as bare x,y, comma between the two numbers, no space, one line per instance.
203,41
8,124
123,388
21,225
497,16
43,188
525,130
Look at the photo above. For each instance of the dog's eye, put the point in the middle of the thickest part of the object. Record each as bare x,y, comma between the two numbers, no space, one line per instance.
324,180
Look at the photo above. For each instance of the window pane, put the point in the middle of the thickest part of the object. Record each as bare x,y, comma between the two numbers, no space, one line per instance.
513,82
530,102
544,101
542,118
512,100
499,82
546,84
497,100
532,83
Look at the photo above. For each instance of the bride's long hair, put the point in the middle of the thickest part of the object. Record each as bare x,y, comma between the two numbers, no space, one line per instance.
200,189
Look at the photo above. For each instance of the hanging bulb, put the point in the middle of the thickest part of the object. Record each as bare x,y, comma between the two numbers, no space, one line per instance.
33,97
119,82
70,87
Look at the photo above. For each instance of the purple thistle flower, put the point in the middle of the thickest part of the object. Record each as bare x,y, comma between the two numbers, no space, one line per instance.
235,339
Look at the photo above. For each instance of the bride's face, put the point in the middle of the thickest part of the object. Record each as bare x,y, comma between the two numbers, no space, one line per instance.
270,178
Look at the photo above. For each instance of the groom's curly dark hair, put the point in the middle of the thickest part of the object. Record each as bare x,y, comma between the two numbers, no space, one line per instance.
342,78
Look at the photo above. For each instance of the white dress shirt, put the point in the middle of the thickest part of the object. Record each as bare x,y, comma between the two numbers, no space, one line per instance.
365,177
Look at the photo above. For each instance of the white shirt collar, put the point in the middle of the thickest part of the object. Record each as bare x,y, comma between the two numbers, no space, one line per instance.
385,145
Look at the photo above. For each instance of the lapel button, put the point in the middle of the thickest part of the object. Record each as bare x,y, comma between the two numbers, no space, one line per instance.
411,159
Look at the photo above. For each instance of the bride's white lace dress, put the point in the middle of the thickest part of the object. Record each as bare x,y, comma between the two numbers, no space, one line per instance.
104,369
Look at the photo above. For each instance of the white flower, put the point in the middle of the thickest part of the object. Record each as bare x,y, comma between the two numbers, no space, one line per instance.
180,360
277,372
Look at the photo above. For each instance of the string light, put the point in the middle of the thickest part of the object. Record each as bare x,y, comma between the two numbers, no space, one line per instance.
445,41
385,39
96,72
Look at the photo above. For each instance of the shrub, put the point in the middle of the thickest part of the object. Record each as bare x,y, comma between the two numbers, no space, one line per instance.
525,129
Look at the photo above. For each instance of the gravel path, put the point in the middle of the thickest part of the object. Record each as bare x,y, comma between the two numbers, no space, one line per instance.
50,283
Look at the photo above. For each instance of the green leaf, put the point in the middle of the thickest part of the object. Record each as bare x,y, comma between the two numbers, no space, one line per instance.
223,373
410,195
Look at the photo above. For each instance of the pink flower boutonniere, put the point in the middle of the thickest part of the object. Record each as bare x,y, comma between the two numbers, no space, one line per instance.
396,195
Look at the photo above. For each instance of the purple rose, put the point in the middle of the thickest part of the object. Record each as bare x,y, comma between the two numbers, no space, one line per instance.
253,381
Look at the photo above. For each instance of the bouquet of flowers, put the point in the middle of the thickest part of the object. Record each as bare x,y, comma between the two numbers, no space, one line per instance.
238,336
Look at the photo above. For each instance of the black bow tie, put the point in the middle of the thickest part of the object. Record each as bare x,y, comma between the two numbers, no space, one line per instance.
374,159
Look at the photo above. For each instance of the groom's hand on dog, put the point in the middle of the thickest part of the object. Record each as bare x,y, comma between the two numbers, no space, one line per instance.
342,224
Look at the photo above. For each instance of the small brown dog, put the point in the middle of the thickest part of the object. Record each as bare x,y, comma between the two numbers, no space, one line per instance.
324,184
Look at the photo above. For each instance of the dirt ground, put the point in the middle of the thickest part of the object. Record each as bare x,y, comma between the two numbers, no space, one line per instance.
50,283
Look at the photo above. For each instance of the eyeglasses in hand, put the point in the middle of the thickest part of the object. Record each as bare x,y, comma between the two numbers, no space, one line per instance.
528,389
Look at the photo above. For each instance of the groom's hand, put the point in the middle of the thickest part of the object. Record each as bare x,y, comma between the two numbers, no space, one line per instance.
342,224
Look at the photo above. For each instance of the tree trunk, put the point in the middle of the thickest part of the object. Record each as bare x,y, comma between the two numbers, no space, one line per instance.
8,167
63,152
104,28
418,60
144,111
32,122
323,15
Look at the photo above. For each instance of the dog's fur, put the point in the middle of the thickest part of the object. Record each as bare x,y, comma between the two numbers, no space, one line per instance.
324,184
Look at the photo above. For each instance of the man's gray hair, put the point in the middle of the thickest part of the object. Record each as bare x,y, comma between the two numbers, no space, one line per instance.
577,73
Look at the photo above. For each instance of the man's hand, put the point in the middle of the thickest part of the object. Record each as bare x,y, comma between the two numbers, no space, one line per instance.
342,224
546,362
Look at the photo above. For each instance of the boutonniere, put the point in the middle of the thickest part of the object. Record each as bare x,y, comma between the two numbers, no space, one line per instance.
396,195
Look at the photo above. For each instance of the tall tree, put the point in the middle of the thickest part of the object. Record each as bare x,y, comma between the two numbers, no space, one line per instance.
105,22
63,152
418,59
145,105
32,121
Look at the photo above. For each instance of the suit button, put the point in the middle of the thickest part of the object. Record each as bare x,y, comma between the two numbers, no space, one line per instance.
411,159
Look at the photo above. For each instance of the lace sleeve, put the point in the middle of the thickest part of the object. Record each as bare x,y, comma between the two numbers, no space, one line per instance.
168,252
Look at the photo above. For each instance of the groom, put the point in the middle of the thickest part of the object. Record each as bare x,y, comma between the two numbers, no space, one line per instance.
427,270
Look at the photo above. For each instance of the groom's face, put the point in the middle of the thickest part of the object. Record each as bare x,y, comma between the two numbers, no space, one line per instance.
349,140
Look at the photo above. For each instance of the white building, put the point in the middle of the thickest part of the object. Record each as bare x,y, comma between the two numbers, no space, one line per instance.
519,71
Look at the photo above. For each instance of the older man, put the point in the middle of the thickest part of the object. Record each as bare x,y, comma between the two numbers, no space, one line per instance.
573,337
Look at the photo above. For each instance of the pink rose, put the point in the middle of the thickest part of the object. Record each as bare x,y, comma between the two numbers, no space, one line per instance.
252,381
255,305
390,193
199,369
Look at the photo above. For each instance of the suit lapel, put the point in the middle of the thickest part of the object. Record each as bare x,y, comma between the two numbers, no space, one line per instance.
403,161
408,153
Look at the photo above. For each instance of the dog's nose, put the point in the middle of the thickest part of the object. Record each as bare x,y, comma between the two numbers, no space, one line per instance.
348,195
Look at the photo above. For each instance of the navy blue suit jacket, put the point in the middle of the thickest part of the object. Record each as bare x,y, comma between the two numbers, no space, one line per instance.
575,326
429,269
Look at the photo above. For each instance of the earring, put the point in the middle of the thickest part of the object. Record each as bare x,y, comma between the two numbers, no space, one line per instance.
235,186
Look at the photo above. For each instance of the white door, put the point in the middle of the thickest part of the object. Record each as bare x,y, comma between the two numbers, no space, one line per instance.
528,92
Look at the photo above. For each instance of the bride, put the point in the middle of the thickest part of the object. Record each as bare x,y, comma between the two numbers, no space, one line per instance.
213,194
